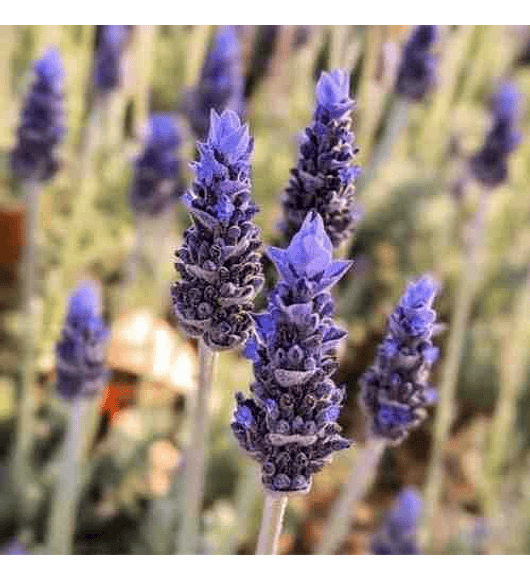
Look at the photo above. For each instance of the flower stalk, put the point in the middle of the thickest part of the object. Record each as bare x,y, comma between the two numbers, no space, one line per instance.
271,523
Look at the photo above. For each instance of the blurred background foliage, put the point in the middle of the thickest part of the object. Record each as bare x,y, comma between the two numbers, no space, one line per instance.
415,212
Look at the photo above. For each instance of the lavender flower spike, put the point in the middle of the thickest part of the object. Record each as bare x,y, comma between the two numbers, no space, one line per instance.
324,176
219,263
289,425
394,390
42,123
398,533
156,180
220,85
81,351
107,69
490,165
417,73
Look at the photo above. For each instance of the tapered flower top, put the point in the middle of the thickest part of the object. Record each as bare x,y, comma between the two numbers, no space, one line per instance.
394,390
42,122
323,179
157,171
219,261
107,69
490,165
417,73
289,425
220,85
81,352
397,536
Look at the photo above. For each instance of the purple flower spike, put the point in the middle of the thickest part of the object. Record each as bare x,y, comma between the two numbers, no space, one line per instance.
42,123
108,57
398,533
323,179
219,262
156,182
81,352
394,390
289,425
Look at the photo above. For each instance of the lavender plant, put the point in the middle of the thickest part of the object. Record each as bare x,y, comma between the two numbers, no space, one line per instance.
394,395
289,424
81,376
220,269
324,177
34,161
397,536
108,65
220,84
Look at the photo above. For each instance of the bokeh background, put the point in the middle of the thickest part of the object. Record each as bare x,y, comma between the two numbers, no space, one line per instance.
415,212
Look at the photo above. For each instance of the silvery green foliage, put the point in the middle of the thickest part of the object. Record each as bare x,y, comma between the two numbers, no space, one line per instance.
324,177
82,350
417,73
394,390
219,261
42,122
107,69
289,424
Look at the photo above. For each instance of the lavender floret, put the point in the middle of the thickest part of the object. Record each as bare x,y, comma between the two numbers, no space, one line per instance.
107,70
324,177
156,181
82,350
220,84
219,261
417,73
289,425
397,536
394,390
490,165
42,123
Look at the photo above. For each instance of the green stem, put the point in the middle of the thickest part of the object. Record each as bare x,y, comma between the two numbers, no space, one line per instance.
446,393
195,456
21,465
361,476
271,524
70,482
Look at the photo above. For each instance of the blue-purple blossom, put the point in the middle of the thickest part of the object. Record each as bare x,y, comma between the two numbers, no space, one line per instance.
220,85
107,68
417,72
324,177
397,535
42,122
490,165
394,390
82,350
289,424
157,171
219,261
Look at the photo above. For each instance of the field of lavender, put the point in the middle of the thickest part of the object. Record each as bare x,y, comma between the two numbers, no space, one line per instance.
264,289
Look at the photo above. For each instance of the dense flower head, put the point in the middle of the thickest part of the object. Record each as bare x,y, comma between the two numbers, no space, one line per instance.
417,72
157,171
42,123
220,84
324,177
397,536
81,351
394,390
219,261
107,69
289,424
490,165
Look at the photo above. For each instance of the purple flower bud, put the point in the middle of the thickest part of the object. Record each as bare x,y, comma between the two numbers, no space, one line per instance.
397,536
295,403
324,176
417,73
82,349
220,85
394,391
107,69
219,262
41,128
156,182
